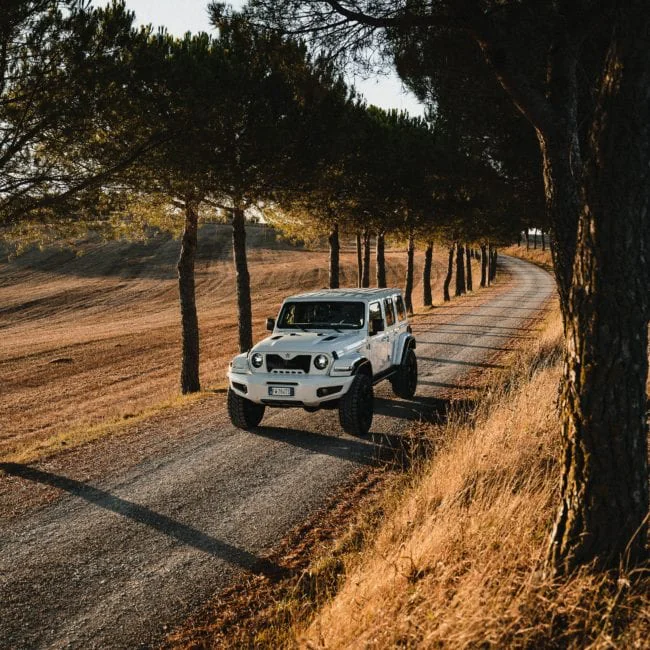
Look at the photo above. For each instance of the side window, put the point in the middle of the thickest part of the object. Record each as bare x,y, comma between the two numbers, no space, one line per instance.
374,312
401,312
390,313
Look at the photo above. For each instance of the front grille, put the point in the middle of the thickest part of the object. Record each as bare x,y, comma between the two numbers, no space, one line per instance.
299,363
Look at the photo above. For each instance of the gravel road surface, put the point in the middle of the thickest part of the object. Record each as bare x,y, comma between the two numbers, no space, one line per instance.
111,563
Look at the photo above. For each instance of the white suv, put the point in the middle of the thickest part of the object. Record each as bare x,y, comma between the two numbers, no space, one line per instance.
327,350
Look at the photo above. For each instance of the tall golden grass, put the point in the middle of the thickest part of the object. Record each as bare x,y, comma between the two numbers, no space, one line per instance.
460,560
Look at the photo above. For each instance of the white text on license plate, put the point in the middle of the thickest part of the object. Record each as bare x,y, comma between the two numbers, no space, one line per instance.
281,391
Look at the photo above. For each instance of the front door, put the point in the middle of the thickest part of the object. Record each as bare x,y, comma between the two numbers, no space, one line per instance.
378,342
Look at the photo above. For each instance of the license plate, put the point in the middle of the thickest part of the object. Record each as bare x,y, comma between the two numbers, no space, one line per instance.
281,391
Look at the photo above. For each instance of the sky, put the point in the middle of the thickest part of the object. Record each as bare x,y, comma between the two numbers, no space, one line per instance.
180,16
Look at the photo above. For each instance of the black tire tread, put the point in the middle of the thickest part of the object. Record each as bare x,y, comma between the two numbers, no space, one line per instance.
400,380
350,405
243,413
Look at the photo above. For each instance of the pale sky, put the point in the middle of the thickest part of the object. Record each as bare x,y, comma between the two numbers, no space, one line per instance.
180,16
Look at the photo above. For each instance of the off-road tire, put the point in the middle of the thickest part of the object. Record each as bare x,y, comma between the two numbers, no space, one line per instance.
405,381
356,406
243,413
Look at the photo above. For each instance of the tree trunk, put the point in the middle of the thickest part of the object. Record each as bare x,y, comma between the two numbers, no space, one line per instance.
460,270
468,279
187,292
562,180
484,265
535,239
427,298
359,260
450,274
527,240
493,265
243,280
365,280
408,289
381,260
543,242
335,249
604,486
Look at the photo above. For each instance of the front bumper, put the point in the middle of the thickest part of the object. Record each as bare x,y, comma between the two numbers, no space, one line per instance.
255,387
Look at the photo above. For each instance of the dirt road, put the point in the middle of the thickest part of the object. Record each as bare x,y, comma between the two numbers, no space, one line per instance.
112,562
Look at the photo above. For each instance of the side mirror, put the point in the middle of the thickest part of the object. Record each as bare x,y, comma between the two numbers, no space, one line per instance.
270,324
377,326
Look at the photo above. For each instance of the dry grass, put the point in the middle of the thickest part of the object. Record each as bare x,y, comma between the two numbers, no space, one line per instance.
459,560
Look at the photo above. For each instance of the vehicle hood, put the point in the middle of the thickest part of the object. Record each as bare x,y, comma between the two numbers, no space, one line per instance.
311,342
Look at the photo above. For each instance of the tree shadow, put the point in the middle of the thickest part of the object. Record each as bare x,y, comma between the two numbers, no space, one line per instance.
183,533
467,345
455,362
441,384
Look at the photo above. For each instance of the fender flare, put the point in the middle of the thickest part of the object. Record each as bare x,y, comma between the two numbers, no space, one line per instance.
409,344
362,365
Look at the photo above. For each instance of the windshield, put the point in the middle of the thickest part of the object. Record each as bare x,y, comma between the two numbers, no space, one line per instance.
322,315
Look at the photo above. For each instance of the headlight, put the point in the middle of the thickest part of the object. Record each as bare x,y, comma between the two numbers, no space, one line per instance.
257,360
321,362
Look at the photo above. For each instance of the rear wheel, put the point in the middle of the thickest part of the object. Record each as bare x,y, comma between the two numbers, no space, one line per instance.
243,413
405,380
356,406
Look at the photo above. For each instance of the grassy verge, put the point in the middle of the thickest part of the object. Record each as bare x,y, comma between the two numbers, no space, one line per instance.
460,561
29,451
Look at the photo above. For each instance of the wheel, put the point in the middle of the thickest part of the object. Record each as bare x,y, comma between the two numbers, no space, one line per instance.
405,380
356,406
243,413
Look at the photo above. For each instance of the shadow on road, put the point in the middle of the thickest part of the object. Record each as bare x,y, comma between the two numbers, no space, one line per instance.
359,450
141,514
466,345
456,362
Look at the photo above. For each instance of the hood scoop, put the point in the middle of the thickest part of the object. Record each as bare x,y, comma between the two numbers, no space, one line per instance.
330,338
276,338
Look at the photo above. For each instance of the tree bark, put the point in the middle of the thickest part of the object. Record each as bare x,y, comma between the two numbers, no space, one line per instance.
242,280
484,265
427,298
450,274
543,242
359,260
493,265
527,240
604,486
468,279
408,288
460,270
535,239
365,279
381,260
335,249
187,291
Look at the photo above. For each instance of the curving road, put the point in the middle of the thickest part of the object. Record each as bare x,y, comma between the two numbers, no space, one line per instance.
108,564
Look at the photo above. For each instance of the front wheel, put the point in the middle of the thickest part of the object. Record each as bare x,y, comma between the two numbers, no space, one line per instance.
405,381
356,406
243,413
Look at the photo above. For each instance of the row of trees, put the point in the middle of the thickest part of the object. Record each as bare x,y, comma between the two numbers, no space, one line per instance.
107,124
578,74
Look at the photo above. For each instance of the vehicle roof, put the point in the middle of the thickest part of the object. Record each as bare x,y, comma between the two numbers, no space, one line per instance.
365,295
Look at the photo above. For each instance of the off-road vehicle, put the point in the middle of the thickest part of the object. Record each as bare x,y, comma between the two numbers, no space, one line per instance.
327,350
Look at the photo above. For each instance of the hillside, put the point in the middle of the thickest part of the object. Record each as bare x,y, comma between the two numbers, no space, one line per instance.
94,336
